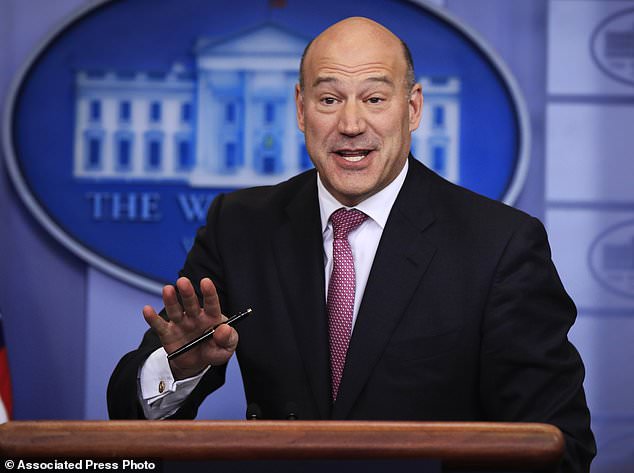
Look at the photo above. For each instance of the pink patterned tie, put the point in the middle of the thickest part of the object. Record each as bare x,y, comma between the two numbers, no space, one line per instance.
340,301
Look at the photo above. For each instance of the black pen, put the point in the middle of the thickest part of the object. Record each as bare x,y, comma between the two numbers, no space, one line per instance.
209,333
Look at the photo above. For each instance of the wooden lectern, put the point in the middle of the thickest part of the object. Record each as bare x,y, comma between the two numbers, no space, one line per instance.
458,445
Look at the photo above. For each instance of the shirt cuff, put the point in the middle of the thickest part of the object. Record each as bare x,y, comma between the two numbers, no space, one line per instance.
161,395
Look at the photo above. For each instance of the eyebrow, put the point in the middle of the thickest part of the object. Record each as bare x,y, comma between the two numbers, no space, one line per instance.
329,79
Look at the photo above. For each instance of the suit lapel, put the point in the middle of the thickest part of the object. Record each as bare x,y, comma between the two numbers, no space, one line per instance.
400,262
298,247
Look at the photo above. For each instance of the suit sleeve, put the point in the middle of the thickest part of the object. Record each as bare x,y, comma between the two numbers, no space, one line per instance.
529,369
202,261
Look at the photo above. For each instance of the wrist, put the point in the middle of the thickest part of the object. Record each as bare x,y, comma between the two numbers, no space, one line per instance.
184,373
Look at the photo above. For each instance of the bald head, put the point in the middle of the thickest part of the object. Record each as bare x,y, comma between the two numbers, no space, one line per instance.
357,106
356,35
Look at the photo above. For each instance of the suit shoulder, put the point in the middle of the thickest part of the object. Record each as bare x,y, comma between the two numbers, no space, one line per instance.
263,203
262,196
452,201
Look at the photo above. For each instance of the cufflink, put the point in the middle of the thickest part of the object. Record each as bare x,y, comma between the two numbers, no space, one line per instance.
161,386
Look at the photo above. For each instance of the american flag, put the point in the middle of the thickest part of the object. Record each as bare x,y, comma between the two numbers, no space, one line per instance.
6,404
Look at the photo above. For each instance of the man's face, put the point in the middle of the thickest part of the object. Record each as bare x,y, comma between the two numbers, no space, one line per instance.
357,112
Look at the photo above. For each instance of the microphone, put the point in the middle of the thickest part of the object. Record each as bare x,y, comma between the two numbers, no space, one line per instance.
253,411
292,412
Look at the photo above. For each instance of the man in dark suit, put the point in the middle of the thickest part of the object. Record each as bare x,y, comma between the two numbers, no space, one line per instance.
435,304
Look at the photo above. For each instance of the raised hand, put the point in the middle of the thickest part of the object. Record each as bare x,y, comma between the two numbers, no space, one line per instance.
188,321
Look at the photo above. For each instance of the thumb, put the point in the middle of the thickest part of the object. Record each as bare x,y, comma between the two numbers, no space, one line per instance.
226,337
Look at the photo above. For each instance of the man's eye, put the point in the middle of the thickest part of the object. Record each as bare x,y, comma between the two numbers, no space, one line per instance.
375,100
328,100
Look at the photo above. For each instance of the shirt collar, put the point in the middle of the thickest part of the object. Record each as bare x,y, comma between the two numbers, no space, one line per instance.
377,206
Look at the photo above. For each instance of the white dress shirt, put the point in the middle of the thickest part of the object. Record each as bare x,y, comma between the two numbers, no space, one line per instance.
161,396
364,240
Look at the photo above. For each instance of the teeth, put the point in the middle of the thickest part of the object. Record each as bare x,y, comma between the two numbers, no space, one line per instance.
353,156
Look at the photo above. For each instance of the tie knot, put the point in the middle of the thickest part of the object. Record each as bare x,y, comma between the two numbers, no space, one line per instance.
344,221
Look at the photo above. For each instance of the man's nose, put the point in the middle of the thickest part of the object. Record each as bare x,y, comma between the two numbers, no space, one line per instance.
351,120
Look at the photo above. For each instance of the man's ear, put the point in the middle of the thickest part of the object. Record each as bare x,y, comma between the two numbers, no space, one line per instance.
299,106
415,105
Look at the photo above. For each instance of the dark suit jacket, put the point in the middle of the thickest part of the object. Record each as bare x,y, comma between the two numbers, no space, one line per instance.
463,316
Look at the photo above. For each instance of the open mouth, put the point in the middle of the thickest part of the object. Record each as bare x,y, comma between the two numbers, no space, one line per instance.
353,155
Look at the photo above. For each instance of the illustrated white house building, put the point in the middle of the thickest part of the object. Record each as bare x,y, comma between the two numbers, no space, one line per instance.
230,123
436,141
135,126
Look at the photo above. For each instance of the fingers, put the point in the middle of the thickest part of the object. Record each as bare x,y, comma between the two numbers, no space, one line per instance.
154,320
211,303
172,305
188,305
183,308
186,320
188,296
